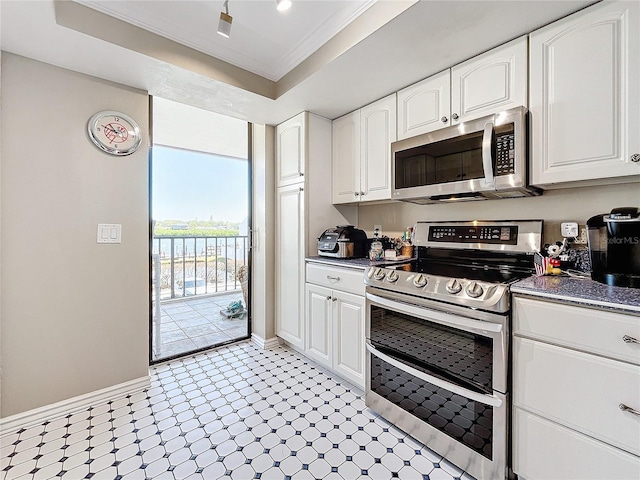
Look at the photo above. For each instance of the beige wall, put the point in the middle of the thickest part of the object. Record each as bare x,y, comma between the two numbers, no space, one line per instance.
74,313
554,207
262,261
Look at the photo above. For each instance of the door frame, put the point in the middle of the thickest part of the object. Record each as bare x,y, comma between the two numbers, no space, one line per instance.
153,361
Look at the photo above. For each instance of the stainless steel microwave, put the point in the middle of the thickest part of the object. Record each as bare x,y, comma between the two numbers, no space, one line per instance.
475,160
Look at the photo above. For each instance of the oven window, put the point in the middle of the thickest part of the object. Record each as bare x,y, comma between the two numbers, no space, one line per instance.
467,421
454,355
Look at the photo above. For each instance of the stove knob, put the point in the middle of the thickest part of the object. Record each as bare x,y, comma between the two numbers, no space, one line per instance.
474,290
453,286
378,274
420,280
392,276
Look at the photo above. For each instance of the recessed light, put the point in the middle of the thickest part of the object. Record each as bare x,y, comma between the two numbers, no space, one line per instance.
283,5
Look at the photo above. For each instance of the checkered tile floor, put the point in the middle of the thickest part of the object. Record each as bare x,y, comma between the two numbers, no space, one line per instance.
238,412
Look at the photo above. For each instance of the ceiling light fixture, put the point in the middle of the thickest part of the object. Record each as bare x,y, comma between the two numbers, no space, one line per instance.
283,5
224,25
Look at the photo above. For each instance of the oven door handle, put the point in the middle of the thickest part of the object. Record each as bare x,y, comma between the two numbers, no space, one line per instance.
476,397
462,323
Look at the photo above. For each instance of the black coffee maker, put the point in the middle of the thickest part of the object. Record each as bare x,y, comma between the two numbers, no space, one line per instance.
614,246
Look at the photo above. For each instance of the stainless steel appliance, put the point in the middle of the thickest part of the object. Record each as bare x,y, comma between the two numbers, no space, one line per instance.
343,241
475,160
614,247
438,336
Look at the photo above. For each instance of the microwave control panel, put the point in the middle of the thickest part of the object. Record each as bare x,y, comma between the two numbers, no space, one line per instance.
505,154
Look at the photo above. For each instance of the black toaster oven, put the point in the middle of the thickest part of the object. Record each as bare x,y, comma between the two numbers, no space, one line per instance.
343,241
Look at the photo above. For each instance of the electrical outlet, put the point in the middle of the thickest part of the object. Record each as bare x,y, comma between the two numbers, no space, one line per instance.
582,239
377,230
569,229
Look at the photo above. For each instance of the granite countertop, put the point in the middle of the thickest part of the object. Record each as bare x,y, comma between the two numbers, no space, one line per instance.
360,263
581,291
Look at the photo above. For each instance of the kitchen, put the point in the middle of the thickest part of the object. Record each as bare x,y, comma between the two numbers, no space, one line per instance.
555,206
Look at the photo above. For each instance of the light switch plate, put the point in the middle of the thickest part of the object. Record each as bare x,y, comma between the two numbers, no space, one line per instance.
109,233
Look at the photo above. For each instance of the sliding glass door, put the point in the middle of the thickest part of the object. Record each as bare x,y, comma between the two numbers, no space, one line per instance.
200,217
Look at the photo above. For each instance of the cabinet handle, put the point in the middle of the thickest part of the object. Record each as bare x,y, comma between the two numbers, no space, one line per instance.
362,194
329,277
624,408
355,194
444,119
334,299
301,174
628,339
301,189
328,297
455,116
635,158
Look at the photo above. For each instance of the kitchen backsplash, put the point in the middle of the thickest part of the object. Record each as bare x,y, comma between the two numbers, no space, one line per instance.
554,207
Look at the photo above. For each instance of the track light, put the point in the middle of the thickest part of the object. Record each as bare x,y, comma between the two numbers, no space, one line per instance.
224,25
283,5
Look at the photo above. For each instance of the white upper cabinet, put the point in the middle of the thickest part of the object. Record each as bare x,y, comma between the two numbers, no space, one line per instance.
490,83
361,164
346,158
291,137
486,84
378,131
424,106
585,97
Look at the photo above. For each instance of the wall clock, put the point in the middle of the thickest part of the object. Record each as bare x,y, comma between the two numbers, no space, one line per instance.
114,132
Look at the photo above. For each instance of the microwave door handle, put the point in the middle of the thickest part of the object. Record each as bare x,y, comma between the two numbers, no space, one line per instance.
487,160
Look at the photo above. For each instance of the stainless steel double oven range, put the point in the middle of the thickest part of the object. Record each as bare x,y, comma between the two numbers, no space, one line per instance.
438,336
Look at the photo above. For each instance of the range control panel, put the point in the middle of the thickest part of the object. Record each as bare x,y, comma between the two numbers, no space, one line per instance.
503,235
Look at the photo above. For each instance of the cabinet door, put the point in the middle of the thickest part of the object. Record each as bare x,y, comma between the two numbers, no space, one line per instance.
318,309
345,163
490,83
290,241
378,130
291,150
348,336
578,390
585,95
545,450
424,106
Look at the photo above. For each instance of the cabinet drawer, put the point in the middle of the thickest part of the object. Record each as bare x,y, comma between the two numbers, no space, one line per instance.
344,279
578,390
544,450
594,331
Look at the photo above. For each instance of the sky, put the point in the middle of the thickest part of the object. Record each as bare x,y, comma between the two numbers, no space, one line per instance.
190,185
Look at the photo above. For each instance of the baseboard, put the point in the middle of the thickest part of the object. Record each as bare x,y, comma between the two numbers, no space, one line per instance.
265,344
36,416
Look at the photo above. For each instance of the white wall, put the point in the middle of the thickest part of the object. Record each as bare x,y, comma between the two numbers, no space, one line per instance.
554,207
74,313
183,126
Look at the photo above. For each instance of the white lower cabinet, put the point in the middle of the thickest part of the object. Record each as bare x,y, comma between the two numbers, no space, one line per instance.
572,373
545,450
335,323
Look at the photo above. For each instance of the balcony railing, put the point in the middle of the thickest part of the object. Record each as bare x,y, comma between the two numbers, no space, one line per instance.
185,266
